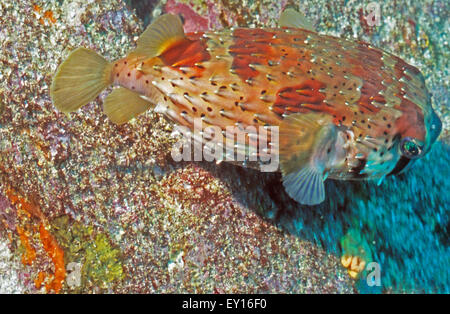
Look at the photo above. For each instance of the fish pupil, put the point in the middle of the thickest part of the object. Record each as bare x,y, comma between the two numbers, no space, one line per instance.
411,147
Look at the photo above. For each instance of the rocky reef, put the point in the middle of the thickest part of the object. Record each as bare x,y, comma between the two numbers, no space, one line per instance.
88,206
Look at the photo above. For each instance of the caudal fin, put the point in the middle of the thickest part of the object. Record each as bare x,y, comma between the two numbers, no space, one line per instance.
80,78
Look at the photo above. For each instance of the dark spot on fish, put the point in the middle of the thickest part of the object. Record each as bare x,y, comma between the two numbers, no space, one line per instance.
116,65
375,150
129,74
381,154
389,125
384,118
368,126
162,78
356,170
343,119
329,150
117,74
209,109
401,164
194,109
236,103
263,92
385,133
386,140
132,87
242,97
202,115
124,62
146,81
255,120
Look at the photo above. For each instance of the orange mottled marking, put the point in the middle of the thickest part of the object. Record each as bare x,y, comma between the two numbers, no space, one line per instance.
412,122
57,256
48,242
37,8
30,253
186,53
27,206
250,46
49,16
366,65
39,280
298,98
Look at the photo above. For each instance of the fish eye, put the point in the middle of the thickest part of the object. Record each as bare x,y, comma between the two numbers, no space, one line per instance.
409,148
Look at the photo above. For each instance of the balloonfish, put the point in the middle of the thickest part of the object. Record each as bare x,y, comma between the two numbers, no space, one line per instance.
340,109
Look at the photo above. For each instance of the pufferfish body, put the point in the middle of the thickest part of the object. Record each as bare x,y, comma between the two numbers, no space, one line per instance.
330,108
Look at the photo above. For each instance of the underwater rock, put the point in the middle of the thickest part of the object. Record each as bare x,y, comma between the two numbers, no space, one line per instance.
168,227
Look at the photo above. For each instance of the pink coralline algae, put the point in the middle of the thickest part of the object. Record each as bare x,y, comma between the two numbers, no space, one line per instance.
193,21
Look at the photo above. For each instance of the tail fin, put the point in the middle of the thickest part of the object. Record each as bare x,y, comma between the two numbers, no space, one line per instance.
80,78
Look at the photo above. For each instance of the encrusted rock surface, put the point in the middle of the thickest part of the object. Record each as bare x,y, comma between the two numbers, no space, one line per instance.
129,219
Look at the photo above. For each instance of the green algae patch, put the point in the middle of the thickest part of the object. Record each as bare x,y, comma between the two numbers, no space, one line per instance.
93,260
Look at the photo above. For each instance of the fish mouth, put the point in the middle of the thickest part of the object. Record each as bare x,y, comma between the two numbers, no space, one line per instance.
400,166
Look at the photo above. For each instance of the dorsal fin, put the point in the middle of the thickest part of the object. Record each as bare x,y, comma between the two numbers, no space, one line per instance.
160,35
292,18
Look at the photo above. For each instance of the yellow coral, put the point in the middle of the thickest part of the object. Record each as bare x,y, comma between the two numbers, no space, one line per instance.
354,264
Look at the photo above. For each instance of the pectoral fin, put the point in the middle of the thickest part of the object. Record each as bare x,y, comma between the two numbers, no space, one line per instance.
305,186
306,140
